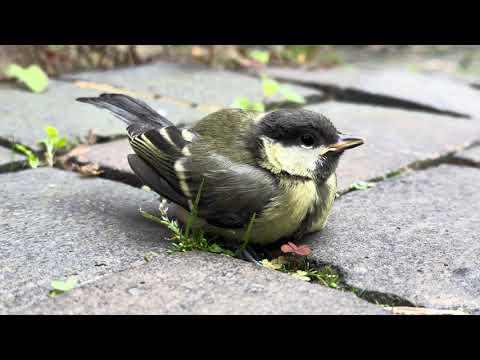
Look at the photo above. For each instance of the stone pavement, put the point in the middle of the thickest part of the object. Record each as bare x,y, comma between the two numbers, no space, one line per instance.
411,240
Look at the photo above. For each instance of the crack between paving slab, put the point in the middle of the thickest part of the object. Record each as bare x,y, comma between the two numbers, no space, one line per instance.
378,298
356,96
15,165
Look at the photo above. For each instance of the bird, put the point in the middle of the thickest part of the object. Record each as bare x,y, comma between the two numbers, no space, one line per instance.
272,170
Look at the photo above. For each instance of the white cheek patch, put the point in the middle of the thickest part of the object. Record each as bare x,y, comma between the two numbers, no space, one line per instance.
292,159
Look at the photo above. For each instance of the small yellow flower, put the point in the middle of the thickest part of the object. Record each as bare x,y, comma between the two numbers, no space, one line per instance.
270,264
302,275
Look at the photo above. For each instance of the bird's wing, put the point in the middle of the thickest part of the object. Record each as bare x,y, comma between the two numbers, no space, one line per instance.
230,193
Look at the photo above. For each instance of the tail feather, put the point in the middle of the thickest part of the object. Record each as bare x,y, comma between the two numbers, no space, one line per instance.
138,115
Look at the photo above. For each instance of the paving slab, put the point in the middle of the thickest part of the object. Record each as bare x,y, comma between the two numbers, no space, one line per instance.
55,224
416,236
393,138
23,114
201,283
435,92
190,83
112,154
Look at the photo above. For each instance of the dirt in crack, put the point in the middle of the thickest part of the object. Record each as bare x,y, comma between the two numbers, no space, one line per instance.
371,296
452,158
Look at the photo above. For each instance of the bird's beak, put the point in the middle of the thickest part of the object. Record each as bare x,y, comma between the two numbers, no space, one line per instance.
345,142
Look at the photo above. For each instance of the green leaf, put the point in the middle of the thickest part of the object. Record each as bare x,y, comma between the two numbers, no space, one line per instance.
241,103
32,159
269,86
51,132
263,57
257,106
60,287
61,143
291,95
245,104
217,249
362,185
33,76
248,233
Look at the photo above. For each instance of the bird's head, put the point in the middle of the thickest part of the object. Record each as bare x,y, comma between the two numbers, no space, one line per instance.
300,143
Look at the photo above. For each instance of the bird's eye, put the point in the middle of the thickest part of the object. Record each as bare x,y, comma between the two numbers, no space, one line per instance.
307,141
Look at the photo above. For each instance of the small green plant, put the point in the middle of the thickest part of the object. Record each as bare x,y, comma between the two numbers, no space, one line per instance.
270,88
262,57
394,173
52,143
60,287
32,158
295,262
326,276
245,104
362,185
33,76
248,233
190,238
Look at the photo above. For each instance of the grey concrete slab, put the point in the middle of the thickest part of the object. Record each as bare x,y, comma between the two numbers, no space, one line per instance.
200,283
23,114
432,91
112,154
393,138
416,236
191,83
55,224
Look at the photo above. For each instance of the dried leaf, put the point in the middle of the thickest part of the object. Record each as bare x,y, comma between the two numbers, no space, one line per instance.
92,169
91,137
406,310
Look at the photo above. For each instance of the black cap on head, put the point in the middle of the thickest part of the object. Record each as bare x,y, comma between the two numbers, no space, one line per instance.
289,125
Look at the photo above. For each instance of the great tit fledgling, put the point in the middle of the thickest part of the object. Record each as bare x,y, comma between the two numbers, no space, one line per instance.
278,165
